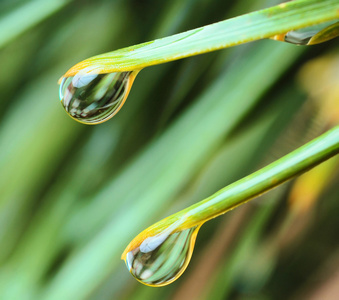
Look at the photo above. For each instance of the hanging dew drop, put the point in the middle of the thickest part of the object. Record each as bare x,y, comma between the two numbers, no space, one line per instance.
161,259
299,38
93,98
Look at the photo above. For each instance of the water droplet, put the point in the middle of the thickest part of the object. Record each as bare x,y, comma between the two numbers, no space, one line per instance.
161,259
311,35
92,98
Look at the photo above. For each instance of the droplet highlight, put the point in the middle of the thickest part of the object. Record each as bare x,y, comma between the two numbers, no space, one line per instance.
311,35
161,259
93,98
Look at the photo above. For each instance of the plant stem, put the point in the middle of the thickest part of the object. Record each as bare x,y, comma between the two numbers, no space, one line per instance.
246,28
251,186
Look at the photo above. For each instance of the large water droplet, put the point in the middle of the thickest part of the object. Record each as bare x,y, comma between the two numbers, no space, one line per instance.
311,35
161,259
93,98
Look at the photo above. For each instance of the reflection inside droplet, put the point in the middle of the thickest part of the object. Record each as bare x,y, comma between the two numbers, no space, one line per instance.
298,37
311,35
92,98
161,259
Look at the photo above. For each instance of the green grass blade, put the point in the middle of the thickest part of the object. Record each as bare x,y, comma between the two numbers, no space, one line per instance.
289,166
246,28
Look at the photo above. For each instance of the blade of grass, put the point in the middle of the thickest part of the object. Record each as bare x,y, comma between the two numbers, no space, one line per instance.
246,28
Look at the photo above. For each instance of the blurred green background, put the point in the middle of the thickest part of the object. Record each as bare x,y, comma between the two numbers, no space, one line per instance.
72,196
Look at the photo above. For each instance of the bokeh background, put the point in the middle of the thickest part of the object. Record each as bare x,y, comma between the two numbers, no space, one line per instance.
72,196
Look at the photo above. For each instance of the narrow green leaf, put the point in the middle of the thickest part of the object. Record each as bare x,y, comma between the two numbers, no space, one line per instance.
246,28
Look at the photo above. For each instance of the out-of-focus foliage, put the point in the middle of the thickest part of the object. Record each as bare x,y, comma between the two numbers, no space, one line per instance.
72,196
